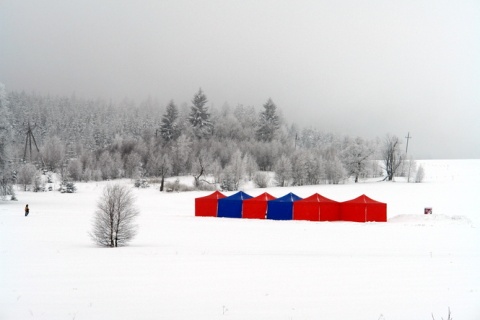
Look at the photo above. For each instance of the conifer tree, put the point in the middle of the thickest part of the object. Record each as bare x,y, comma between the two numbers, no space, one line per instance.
268,123
199,116
169,127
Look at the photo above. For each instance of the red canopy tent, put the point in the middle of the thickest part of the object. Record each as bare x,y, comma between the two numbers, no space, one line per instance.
256,208
363,209
316,208
208,206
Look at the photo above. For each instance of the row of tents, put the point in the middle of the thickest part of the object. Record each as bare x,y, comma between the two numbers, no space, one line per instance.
290,207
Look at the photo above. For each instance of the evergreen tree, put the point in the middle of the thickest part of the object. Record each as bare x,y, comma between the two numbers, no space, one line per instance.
269,122
199,116
169,127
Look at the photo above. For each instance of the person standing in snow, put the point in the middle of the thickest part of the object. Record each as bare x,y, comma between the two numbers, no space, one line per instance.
27,210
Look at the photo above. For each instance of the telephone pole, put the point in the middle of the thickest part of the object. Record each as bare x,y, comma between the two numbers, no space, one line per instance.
408,138
409,162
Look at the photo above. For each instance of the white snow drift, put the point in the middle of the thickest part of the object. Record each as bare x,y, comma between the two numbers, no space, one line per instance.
185,267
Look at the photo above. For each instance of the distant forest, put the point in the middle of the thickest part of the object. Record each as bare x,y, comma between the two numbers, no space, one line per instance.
85,140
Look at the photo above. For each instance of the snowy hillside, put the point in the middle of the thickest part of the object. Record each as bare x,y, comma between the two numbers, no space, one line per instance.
186,267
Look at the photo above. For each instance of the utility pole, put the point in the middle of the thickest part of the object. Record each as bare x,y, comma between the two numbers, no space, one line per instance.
408,138
406,152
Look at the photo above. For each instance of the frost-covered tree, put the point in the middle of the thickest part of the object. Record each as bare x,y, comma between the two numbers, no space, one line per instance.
228,181
315,169
266,153
306,168
391,156
161,165
334,170
5,127
234,172
355,156
5,141
199,116
180,155
246,116
25,175
200,166
283,171
251,166
420,174
261,179
113,223
106,165
53,153
133,165
410,169
268,123
74,169
169,127
38,182
299,168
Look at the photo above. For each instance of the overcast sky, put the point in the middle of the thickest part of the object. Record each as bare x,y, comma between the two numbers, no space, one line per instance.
356,67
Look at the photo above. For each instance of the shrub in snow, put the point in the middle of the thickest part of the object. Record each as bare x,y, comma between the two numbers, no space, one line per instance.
420,174
113,223
180,187
261,179
171,187
67,187
203,187
141,183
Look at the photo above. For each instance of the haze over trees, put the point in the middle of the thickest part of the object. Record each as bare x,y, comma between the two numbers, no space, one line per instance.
5,144
85,139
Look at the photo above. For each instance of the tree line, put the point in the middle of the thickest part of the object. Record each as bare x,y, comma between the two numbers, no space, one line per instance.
85,139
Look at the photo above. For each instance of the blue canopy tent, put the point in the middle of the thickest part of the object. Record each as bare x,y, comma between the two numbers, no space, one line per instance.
281,208
231,207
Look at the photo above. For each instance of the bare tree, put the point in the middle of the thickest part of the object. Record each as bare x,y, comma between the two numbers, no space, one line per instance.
201,167
160,165
113,224
392,156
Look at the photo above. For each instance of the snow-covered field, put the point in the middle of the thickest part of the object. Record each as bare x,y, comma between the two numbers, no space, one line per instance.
186,267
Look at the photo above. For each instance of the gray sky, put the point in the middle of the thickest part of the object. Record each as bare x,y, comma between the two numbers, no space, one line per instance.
356,67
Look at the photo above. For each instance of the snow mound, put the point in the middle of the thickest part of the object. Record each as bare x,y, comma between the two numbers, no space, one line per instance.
430,219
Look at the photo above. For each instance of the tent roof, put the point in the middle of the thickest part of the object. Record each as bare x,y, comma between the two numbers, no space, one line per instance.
317,198
363,199
263,197
238,196
216,195
290,197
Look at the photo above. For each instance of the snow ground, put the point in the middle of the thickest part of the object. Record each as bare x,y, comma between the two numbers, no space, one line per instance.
186,267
